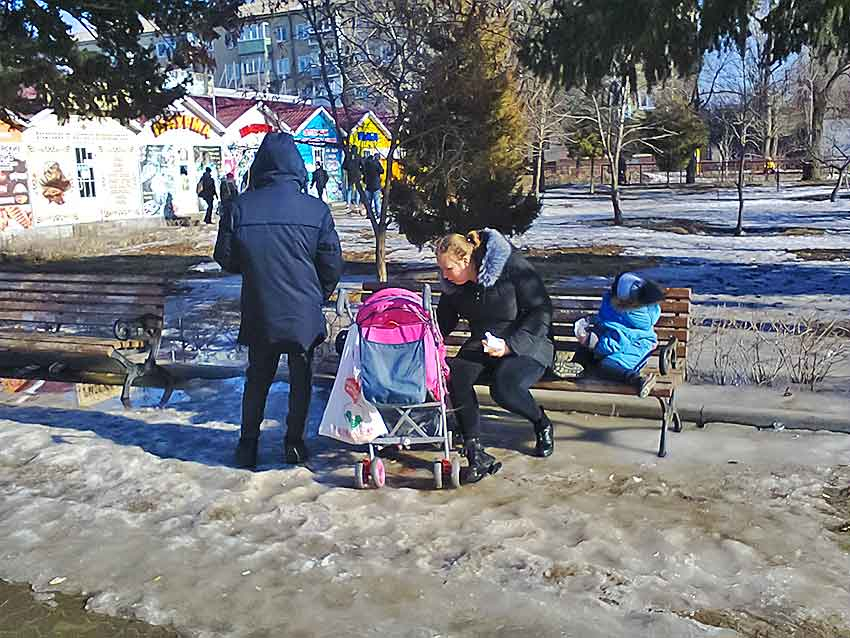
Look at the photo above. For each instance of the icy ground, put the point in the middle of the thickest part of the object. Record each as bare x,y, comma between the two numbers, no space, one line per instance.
143,512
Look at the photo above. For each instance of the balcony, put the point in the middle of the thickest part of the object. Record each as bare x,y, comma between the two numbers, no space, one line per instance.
254,47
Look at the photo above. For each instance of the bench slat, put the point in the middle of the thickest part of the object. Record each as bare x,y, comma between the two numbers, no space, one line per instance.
8,345
87,298
453,343
64,339
82,287
677,294
664,386
61,277
568,330
67,318
129,311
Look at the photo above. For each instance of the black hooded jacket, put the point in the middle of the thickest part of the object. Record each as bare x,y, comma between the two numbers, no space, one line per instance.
286,247
509,300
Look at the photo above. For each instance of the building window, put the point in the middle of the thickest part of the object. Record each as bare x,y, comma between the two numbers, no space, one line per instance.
254,31
253,65
85,173
283,67
361,93
232,71
302,31
386,53
306,91
304,63
281,34
229,41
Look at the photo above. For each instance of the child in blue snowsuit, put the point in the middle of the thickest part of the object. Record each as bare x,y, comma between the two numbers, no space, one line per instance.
621,337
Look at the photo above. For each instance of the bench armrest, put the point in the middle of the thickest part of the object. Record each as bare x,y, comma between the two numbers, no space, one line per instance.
148,327
667,357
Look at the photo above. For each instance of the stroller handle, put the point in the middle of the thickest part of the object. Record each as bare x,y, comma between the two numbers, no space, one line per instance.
426,298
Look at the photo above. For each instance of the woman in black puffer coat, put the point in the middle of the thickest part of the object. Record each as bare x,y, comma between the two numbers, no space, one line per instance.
491,285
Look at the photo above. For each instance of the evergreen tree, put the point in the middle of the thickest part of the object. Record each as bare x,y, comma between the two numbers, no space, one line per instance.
679,132
465,134
42,65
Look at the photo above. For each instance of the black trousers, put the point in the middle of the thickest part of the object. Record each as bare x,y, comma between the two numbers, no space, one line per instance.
510,379
208,216
262,366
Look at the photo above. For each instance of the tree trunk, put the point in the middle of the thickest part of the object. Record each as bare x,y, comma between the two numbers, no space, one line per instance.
819,105
615,199
592,171
381,254
739,229
691,171
537,175
833,197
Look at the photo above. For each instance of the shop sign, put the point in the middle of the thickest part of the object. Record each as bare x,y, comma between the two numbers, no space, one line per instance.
189,122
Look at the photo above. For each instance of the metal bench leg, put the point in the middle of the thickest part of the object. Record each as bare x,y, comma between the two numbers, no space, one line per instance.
665,418
169,386
132,375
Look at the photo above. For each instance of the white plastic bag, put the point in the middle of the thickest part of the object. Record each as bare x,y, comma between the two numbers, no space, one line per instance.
581,328
348,416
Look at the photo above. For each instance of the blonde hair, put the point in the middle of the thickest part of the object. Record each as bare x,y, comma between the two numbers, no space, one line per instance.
460,247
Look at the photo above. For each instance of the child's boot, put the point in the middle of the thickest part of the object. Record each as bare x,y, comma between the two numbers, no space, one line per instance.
644,383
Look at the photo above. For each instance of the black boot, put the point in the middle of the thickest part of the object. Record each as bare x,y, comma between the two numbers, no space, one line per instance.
295,452
246,454
481,464
545,435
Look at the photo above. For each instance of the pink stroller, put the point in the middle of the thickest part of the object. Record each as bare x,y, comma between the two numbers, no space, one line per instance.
403,374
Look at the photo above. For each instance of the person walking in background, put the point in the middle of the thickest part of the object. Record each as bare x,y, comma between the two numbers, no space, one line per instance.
320,179
206,191
353,167
284,244
372,171
227,189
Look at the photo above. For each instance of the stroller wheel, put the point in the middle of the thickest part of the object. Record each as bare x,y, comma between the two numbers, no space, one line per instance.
376,470
438,475
455,472
360,476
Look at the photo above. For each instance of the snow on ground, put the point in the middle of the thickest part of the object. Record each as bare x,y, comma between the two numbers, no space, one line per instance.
757,271
143,512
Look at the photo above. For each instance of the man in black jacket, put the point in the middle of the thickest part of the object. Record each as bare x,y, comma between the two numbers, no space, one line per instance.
320,179
286,247
372,171
206,191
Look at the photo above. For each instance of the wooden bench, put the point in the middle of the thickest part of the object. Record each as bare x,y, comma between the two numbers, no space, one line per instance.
569,304
102,329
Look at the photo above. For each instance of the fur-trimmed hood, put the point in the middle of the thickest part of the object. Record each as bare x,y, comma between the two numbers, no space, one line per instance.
497,251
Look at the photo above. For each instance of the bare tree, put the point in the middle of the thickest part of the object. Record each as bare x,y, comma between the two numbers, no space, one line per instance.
736,109
389,54
819,77
547,113
613,112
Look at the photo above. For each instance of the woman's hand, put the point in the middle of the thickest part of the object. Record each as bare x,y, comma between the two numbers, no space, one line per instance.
494,346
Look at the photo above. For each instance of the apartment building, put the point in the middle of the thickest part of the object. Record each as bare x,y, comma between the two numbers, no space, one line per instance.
276,51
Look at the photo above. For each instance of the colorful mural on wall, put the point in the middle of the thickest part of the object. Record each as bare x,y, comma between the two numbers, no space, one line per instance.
15,205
